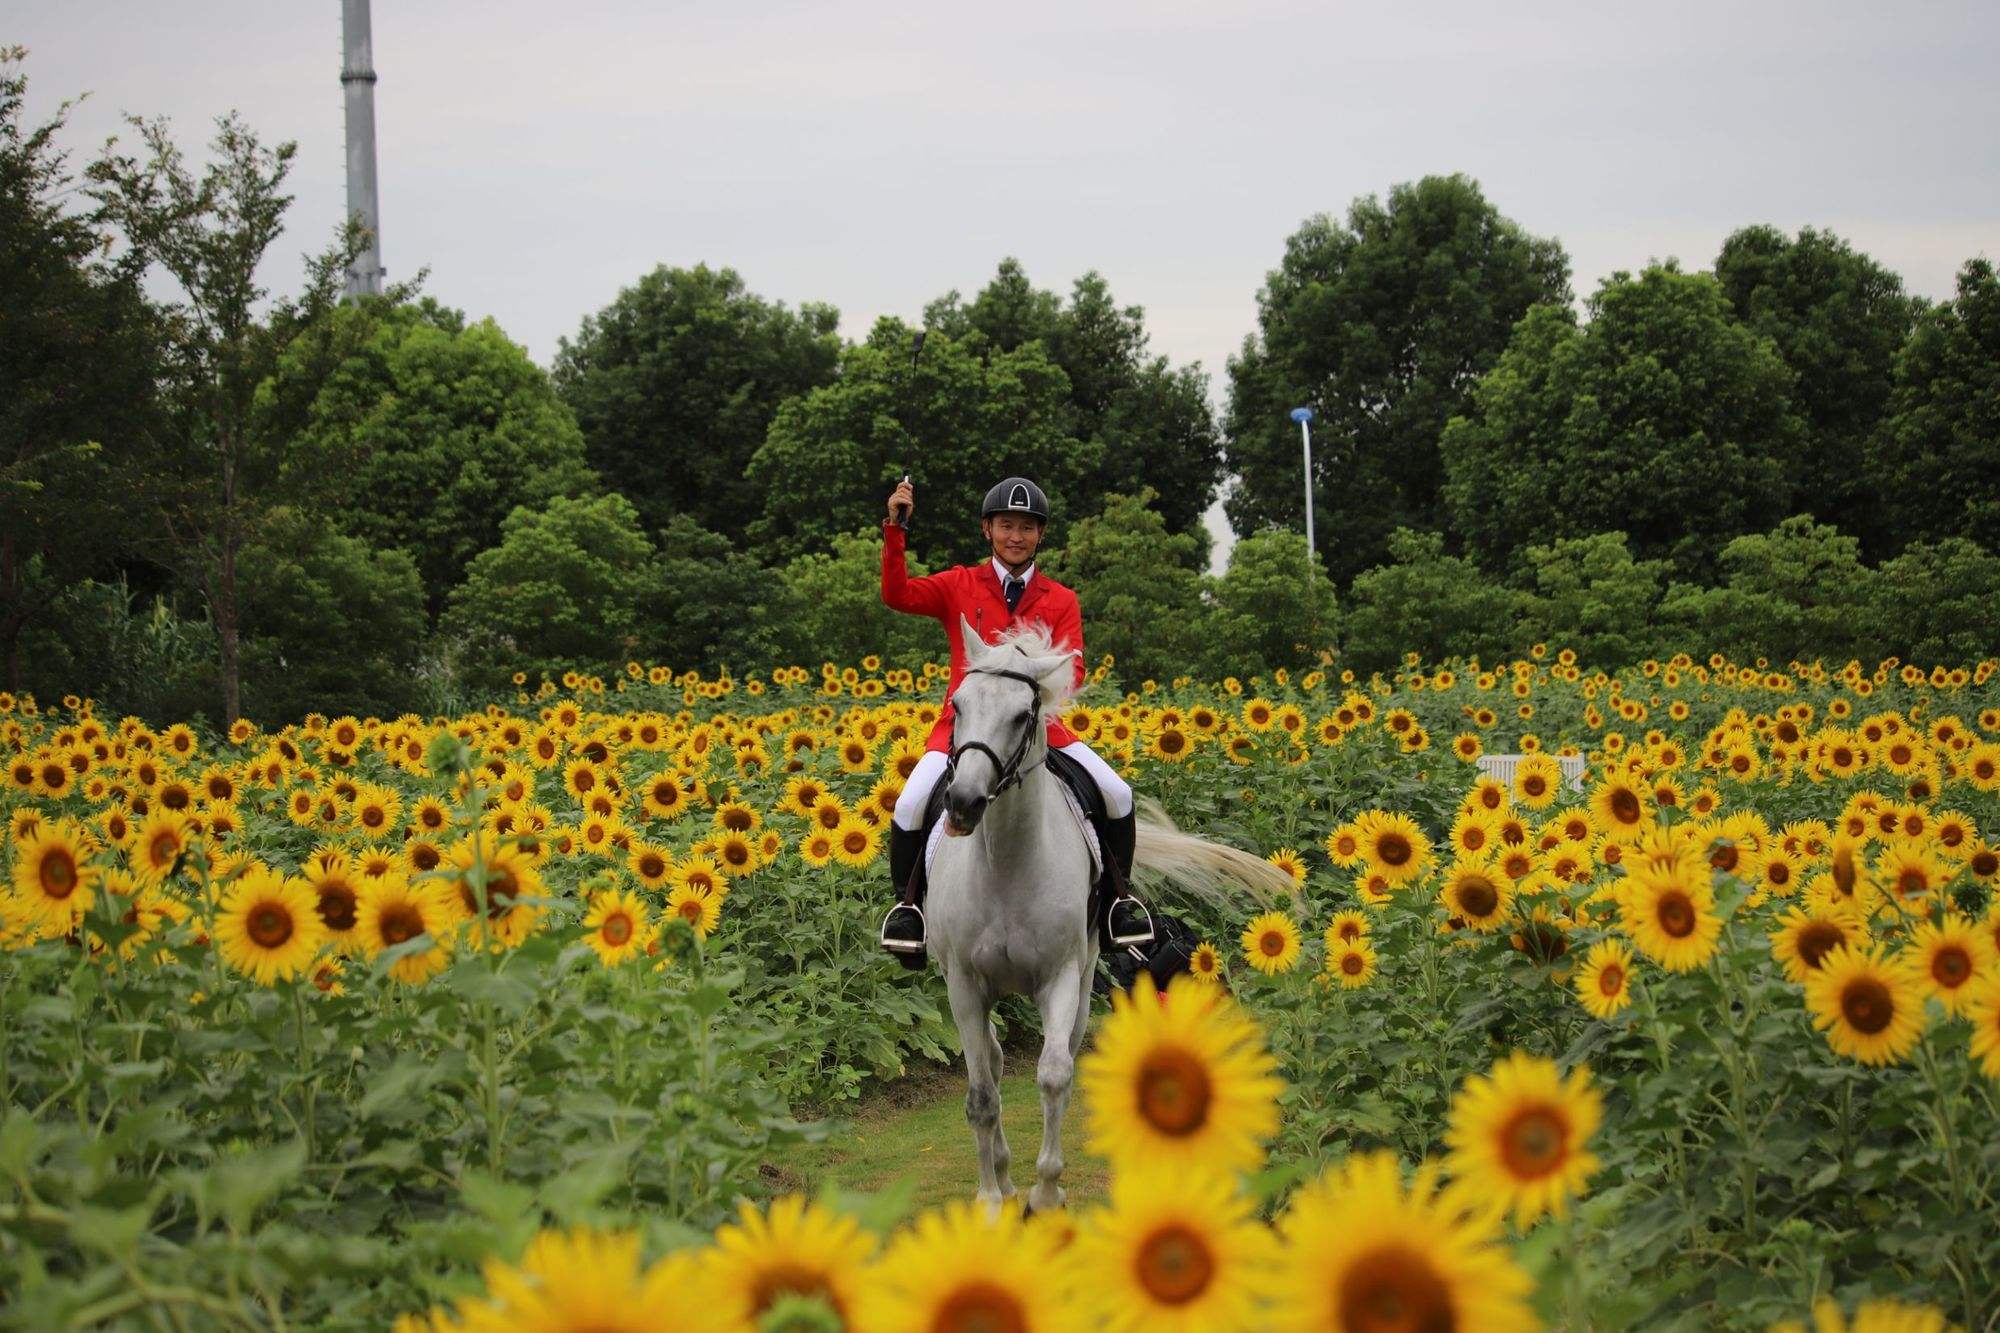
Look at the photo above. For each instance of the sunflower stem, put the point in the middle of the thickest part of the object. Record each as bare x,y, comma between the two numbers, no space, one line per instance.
308,1083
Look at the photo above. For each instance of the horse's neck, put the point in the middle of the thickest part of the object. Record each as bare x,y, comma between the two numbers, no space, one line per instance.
1011,827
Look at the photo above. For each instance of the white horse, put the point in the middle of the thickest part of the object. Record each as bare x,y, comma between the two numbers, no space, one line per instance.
1009,889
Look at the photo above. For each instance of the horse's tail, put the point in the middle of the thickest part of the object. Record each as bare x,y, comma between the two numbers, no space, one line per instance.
1209,870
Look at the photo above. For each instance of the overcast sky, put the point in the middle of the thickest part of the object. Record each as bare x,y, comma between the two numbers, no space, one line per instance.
538,157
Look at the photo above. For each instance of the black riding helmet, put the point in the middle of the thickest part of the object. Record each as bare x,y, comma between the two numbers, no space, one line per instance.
1016,495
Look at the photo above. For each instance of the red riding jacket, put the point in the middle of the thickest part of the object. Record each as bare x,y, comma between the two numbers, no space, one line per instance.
974,591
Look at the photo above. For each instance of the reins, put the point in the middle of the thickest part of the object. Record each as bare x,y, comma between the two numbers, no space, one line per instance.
1011,771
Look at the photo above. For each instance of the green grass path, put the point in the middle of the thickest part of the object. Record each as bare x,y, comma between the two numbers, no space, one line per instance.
914,1130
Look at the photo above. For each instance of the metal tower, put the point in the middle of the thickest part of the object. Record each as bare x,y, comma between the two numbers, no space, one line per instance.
357,83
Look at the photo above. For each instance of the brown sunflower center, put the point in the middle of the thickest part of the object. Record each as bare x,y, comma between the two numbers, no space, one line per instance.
652,865
980,1307
269,925
1951,966
1676,914
1532,1143
1271,943
1611,980
58,873
401,923
1724,857
337,906
691,909
1478,896
1394,1289
1912,883
1174,1092
1817,940
1174,1265
1392,849
1625,806
1867,1005
1353,964
617,929
1985,862
1534,785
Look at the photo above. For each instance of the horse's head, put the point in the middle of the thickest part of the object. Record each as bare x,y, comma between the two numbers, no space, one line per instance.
997,710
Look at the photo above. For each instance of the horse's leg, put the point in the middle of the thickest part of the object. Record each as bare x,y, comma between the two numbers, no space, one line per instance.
1064,1013
970,1010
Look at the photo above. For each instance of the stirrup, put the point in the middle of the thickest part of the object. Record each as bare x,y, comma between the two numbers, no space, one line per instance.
897,944
1129,937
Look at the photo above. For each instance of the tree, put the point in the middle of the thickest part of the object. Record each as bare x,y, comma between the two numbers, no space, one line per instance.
1380,325
1429,603
834,609
212,470
1798,591
1663,418
1936,464
1933,604
1838,319
1149,423
1138,585
957,422
329,623
1264,611
1591,595
718,605
676,382
432,431
572,584
76,380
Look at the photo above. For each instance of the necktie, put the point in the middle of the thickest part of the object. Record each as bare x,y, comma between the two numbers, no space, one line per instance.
1015,587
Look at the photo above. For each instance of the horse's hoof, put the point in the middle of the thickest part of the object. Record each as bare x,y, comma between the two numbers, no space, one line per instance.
1039,1202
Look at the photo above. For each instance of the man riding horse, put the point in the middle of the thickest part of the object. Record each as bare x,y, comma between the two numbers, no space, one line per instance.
992,596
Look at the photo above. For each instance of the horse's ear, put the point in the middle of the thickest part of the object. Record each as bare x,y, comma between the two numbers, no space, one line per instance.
1053,673
967,635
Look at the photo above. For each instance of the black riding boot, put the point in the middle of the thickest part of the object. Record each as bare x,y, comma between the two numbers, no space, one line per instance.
903,928
1127,923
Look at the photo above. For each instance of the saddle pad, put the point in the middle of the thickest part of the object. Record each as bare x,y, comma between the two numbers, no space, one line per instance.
1076,812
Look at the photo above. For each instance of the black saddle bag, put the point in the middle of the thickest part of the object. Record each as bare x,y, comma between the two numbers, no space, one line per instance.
1171,952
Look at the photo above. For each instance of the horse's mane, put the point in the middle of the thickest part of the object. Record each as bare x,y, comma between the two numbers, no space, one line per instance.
1030,638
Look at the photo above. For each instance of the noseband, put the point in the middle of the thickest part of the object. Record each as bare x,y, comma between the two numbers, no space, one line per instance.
1011,772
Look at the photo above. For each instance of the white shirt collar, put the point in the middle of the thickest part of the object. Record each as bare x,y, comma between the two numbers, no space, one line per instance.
1000,572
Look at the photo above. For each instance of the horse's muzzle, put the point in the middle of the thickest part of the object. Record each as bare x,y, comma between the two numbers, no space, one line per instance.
962,814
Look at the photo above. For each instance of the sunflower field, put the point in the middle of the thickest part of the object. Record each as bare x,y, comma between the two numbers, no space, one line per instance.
499,1020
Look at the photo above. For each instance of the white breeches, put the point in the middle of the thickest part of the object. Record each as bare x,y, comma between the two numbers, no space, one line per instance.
917,791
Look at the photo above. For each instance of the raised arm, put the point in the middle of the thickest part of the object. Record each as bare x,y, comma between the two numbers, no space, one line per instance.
1067,632
922,596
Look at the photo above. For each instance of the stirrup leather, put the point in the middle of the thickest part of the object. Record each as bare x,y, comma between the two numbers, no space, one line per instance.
1129,938
895,945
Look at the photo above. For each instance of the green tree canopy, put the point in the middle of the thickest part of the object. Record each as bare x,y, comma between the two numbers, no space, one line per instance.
1430,603
1935,603
1936,464
435,430
1797,591
572,584
1838,319
676,382
1663,418
1264,611
1150,423
1139,587
718,606
957,421
834,609
1381,325
1591,595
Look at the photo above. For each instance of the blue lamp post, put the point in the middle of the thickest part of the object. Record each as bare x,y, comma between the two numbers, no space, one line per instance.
1304,416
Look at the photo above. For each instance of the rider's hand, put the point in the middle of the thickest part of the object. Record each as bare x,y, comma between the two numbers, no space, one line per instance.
901,500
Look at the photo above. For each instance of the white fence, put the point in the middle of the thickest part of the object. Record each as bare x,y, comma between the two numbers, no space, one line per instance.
1502,766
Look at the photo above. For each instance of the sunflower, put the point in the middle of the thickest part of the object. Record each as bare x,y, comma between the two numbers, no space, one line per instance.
1983,1008
1950,957
665,795
797,1249
1393,846
267,928
503,914
1287,859
700,873
651,864
1473,831
1179,1080
1604,982
1875,1316
1173,1250
1170,744
816,848
1869,1003
1536,780
1343,846
1345,927
957,1268
1910,875
1361,1252
1619,808
856,843
1351,963
702,911
1518,1134
1669,913
1478,893
617,926
428,816
581,1279
393,912
158,845
1805,936
337,895
1205,963
1271,943
54,880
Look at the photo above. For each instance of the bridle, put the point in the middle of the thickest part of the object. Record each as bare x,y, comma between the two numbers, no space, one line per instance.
1011,771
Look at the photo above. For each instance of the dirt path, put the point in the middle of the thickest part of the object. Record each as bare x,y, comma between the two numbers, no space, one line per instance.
914,1130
